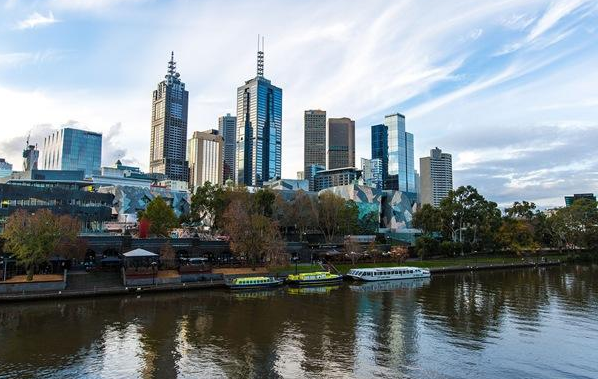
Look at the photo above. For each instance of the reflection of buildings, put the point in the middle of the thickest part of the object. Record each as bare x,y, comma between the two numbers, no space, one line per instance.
372,172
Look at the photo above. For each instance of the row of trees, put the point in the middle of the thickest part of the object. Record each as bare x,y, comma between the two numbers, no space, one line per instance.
466,222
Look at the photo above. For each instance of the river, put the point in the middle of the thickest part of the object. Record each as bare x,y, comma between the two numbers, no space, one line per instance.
525,323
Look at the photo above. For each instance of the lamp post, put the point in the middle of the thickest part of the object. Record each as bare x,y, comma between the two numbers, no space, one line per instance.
154,265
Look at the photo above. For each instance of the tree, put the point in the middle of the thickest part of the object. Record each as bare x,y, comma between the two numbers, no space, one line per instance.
161,217
32,238
204,203
428,219
516,235
576,225
253,236
263,202
524,210
399,254
330,208
352,249
167,255
304,212
426,246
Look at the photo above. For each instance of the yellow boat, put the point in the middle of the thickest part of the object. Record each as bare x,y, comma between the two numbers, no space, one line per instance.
314,278
254,282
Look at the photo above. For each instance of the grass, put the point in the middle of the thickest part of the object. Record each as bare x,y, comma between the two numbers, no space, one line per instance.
428,263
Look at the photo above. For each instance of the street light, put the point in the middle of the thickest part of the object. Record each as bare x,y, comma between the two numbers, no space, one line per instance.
154,264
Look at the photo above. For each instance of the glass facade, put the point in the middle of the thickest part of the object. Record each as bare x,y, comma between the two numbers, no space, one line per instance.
259,132
394,147
227,127
73,149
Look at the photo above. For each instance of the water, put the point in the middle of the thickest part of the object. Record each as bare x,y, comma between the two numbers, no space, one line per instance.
529,323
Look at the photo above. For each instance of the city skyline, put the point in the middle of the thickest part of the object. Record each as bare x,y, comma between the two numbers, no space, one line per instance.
511,133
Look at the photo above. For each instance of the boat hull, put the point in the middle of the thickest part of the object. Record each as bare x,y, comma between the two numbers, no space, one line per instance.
315,282
387,277
274,284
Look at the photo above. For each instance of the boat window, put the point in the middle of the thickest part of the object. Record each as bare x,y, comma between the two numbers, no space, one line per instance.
411,271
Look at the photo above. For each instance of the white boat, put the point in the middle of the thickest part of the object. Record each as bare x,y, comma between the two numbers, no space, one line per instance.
388,273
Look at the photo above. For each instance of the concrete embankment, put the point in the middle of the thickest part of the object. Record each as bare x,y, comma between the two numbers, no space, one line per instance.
66,294
497,266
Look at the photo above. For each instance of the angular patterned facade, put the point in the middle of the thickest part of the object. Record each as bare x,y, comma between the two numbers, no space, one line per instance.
168,146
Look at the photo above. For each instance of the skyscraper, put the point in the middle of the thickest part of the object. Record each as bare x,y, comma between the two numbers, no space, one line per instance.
340,143
314,142
73,149
436,178
169,127
372,172
259,129
204,153
227,127
394,146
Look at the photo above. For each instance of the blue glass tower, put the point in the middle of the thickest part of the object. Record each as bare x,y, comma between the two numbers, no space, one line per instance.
73,149
394,146
259,129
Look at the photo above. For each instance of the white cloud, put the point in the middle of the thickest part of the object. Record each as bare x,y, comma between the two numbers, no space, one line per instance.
36,20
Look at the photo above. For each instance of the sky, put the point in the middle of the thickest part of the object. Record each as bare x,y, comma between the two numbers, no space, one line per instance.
508,87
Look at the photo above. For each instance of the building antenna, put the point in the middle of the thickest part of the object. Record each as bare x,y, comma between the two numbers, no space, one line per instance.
172,65
260,57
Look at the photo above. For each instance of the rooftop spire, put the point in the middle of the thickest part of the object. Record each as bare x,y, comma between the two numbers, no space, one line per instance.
171,65
260,57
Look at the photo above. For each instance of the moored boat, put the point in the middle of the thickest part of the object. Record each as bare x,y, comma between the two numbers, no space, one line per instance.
388,273
254,282
314,278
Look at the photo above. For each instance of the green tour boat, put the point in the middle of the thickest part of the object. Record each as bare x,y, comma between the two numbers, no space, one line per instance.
314,278
254,282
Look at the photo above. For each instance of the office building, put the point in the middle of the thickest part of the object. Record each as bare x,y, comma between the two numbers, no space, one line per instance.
340,143
227,127
394,147
204,153
336,177
436,177
259,129
73,149
372,172
314,140
301,175
5,168
168,145
123,175
570,199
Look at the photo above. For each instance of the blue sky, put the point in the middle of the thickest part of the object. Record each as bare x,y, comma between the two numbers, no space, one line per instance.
510,88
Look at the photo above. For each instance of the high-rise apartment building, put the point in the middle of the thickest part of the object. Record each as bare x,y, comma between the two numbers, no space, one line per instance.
204,154
227,127
394,147
168,145
436,177
314,141
372,172
340,143
259,129
73,149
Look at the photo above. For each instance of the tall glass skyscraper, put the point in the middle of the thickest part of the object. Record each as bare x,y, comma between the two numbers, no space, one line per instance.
227,127
259,129
73,149
394,146
169,127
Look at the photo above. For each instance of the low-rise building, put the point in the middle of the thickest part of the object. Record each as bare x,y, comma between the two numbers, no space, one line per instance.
288,184
570,199
5,168
335,177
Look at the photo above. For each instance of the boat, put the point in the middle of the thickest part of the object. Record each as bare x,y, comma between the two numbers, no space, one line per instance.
254,282
314,278
388,273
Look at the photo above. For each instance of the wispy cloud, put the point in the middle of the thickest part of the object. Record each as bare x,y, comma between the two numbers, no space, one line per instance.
36,20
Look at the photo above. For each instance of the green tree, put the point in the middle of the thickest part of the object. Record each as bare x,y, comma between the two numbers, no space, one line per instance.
32,238
263,201
428,219
160,216
575,226
426,246
204,203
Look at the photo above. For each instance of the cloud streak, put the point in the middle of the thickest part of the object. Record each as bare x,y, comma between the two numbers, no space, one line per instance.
37,20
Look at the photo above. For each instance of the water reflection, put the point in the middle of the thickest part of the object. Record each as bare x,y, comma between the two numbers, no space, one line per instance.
490,324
